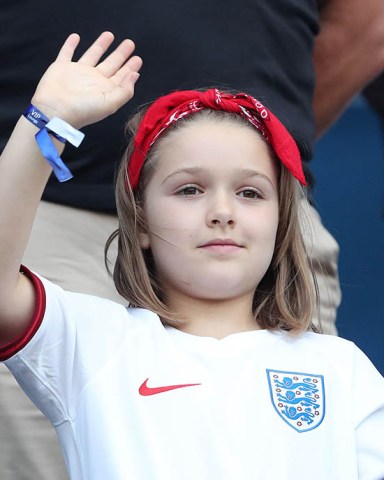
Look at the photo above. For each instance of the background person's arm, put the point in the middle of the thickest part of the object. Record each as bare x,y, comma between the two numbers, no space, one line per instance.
349,53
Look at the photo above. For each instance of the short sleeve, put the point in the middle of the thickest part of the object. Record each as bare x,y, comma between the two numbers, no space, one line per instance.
68,342
35,322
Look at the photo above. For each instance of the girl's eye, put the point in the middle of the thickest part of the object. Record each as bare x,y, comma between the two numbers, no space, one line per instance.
189,191
250,193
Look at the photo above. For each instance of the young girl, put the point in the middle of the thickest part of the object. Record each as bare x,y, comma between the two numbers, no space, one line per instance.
210,373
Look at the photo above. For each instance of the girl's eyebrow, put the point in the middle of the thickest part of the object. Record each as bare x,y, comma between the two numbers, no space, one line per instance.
246,172
249,172
188,170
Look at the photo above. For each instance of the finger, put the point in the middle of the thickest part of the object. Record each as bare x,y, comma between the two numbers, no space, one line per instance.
124,92
117,58
132,65
68,49
130,80
97,49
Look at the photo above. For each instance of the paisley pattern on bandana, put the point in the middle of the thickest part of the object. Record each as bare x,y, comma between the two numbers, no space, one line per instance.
298,398
197,105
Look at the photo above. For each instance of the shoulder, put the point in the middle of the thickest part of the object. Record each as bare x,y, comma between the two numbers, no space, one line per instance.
330,354
341,357
343,366
317,342
69,320
91,316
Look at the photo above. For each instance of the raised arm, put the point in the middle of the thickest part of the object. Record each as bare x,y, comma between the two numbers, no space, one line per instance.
349,53
80,93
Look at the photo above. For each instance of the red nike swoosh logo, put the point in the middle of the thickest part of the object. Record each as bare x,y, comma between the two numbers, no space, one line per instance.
145,391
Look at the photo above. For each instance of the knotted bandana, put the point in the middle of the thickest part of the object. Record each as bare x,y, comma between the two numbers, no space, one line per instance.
168,109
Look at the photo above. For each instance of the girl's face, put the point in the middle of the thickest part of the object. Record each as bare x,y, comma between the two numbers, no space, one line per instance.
211,207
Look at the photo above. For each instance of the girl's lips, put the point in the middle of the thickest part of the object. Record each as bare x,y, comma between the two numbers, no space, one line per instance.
221,247
221,241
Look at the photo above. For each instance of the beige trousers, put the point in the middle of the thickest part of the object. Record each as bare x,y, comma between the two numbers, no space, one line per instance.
323,251
66,246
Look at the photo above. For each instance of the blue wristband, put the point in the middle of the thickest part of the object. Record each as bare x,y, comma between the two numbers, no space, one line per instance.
35,116
54,127
52,156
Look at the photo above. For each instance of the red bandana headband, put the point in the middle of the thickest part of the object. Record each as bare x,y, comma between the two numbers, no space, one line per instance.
168,109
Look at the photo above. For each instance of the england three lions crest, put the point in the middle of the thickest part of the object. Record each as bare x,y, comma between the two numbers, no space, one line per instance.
298,398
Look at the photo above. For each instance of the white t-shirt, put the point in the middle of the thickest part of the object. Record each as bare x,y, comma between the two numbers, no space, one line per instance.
132,399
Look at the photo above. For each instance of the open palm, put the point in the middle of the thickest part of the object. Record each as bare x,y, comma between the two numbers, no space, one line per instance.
87,91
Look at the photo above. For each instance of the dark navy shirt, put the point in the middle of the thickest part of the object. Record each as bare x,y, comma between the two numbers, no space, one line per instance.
263,47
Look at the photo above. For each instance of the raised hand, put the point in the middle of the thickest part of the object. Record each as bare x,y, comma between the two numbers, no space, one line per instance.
87,91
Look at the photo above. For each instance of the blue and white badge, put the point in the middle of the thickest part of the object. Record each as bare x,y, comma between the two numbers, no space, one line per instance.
298,398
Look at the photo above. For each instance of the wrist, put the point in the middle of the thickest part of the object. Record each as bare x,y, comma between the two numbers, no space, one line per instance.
59,129
51,110
48,110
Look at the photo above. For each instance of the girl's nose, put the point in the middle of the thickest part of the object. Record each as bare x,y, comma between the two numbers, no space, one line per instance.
222,219
221,213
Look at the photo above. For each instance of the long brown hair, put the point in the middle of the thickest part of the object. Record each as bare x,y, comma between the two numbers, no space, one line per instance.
285,297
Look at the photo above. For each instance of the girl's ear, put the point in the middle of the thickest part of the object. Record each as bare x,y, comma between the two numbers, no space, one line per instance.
144,240
143,235
143,231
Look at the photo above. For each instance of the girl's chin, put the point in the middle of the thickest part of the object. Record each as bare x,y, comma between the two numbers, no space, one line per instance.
209,293
214,286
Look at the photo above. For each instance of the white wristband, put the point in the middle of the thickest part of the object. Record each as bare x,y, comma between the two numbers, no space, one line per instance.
63,129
